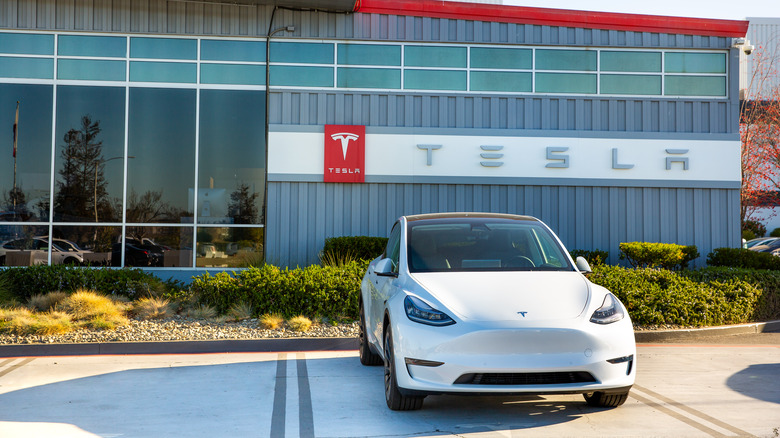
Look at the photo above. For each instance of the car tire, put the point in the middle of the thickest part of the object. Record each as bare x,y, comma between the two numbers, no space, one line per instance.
367,357
602,400
71,261
395,400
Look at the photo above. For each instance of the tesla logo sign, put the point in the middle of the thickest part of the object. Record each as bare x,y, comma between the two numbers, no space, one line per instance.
345,153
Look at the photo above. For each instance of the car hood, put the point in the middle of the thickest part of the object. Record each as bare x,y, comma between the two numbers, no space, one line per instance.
508,296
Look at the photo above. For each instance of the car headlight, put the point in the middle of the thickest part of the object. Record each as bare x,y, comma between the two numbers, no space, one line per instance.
418,311
609,312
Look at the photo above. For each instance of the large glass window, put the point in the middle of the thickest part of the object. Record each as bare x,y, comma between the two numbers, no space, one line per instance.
235,247
677,62
26,43
435,56
484,57
369,54
631,61
231,174
89,161
631,84
91,70
369,78
306,53
100,46
566,83
32,68
695,85
226,50
163,48
161,138
91,245
24,191
435,80
25,245
157,247
582,60
501,81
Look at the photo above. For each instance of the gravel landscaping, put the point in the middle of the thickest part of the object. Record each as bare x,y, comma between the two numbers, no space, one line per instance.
180,328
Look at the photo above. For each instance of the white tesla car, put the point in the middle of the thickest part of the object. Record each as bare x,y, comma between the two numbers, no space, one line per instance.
479,303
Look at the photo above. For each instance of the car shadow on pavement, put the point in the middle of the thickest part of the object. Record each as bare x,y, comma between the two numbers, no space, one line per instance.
757,381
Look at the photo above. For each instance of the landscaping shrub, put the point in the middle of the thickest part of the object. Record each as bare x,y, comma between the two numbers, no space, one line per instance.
594,258
299,323
757,228
24,322
314,291
94,310
743,258
41,279
775,233
239,312
152,308
340,250
657,296
768,282
664,255
271,321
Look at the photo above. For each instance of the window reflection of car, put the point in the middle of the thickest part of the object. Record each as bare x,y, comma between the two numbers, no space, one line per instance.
39,248
67,246
207,250
135,255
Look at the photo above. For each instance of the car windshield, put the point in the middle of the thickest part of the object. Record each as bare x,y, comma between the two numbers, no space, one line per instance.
483,244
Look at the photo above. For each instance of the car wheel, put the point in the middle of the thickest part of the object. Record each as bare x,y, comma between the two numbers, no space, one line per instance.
367,357
2,260
395,400
71,261
602,400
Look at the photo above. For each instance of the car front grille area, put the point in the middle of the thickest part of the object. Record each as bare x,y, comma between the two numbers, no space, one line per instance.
556,378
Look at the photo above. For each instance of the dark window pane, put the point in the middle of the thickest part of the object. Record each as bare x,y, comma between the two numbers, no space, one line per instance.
631,61
500,58
582,60
100,46
90,245
163,48
225,50
308,53
434,56
229,247
232,157
23,245
161,137
351,77
676,62
90,141
169,247
28,198
26,43
631,84
369,54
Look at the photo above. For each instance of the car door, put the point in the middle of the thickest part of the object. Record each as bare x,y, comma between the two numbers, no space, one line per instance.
381,286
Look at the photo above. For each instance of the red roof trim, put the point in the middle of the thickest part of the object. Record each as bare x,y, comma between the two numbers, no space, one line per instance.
555,17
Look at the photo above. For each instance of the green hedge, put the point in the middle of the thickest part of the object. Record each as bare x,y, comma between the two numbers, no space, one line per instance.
594,258
743,258
24,282
664,255
353,247
326,291
691,298
768,282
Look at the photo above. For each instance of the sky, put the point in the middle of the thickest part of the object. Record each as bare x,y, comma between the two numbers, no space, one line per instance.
722,9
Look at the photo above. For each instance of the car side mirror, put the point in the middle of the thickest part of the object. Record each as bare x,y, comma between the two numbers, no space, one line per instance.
583,266
384,268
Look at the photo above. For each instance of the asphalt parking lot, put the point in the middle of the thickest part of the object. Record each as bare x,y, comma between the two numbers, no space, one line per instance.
707,389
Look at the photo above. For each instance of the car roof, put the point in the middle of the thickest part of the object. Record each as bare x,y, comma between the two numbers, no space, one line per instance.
453,215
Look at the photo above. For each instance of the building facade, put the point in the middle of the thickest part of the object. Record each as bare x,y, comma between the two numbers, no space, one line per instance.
156,123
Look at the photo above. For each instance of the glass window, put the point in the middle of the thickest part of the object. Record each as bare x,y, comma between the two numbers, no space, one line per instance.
161,137
369,54
91,245
631,84
163,72
229,247
24,245
393,249
501,58
582,60
695,86
89,160
163,48
100,46
565,83
308,53
236,74
91,70
231,174
225,50
631,61
24,196
434,80
501,81
434,56
32,68
26,44
351,77
292,75
156,247
676,62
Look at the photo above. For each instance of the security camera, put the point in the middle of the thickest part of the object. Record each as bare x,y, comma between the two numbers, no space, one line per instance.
748,49
739,42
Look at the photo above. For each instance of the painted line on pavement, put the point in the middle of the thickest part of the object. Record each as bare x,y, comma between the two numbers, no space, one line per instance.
676,415
280,397
305,414
14,367
692,411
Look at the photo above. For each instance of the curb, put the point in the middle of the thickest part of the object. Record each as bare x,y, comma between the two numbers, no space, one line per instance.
703,333
180,347
316,344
